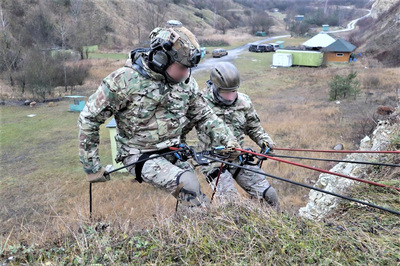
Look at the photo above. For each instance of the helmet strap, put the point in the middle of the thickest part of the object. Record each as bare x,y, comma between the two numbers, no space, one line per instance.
188,78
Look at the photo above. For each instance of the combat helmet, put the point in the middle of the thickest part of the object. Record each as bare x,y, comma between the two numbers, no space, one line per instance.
174,43
224,77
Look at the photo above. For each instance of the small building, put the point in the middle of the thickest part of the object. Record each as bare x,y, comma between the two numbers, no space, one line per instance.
280,43
325,27
319,41
112,126
339,51
299,18
304,58
203,52
77,103
282,60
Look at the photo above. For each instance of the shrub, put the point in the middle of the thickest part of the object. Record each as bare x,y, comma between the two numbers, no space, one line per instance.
371,82
210,42
343,87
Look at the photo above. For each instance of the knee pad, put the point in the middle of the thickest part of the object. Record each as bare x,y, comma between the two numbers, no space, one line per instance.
190,190
270,196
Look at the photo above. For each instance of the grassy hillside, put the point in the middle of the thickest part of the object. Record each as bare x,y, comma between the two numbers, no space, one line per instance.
236,233
44,194
380,38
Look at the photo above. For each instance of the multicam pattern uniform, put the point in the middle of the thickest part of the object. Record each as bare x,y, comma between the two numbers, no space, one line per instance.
243,120
150,115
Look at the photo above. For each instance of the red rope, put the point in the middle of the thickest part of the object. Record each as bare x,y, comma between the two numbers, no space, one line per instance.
334,151
318,169
216,182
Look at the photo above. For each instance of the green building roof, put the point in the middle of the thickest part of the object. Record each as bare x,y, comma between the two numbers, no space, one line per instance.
340,45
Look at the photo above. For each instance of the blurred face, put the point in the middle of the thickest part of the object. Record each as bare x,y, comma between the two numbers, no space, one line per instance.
228,95
178,72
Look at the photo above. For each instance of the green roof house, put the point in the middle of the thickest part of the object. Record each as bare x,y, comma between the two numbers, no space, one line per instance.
339,51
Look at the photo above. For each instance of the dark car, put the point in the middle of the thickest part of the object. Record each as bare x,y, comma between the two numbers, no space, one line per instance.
260,48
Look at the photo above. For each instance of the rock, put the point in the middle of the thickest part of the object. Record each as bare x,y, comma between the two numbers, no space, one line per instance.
32,104
338,147
320,204
385,110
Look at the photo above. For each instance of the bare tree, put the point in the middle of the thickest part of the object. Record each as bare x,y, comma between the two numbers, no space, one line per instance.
9,50
76,9
155,12
3,19
61,27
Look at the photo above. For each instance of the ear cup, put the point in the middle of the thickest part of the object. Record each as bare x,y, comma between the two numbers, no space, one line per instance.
159,59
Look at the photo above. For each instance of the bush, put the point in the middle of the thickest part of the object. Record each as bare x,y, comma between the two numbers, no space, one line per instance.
371,82
209,42
42,72
343,87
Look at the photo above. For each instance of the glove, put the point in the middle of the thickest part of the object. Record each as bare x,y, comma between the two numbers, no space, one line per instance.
100,176
267,148
230,150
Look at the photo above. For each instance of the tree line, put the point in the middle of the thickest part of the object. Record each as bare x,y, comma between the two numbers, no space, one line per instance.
42,42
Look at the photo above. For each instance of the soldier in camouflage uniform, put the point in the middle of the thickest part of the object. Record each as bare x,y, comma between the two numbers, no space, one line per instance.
152,97
237,111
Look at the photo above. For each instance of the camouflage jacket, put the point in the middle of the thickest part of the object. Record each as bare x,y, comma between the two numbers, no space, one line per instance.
241,117
150,114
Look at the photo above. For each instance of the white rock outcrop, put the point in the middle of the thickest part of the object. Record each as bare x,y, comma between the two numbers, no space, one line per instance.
381,6
320,204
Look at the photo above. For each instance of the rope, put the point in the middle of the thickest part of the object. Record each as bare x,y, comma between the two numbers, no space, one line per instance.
216,182
334,151
90,200
307,186
333,160
318,169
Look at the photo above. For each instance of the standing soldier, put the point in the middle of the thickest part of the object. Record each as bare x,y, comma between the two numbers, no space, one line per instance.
152,97
237,111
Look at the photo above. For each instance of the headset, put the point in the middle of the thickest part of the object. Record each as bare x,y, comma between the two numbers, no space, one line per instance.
158,59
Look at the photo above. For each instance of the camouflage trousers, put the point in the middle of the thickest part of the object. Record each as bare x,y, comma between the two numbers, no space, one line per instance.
254,184
164,173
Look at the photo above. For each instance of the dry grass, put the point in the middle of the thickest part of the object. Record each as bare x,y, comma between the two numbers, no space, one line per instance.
43,187
240,232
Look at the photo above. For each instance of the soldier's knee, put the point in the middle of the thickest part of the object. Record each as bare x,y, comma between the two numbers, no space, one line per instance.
190,189
270,196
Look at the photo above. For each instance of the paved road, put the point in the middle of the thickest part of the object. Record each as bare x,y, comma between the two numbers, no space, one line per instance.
207,64
351,25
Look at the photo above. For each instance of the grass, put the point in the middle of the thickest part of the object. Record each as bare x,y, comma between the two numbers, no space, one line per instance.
240,232
45,199
116,56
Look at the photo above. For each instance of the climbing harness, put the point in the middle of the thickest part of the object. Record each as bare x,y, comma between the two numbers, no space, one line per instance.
183,152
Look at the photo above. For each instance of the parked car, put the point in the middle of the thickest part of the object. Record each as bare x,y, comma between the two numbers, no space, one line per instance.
219,53
275,46
260,48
